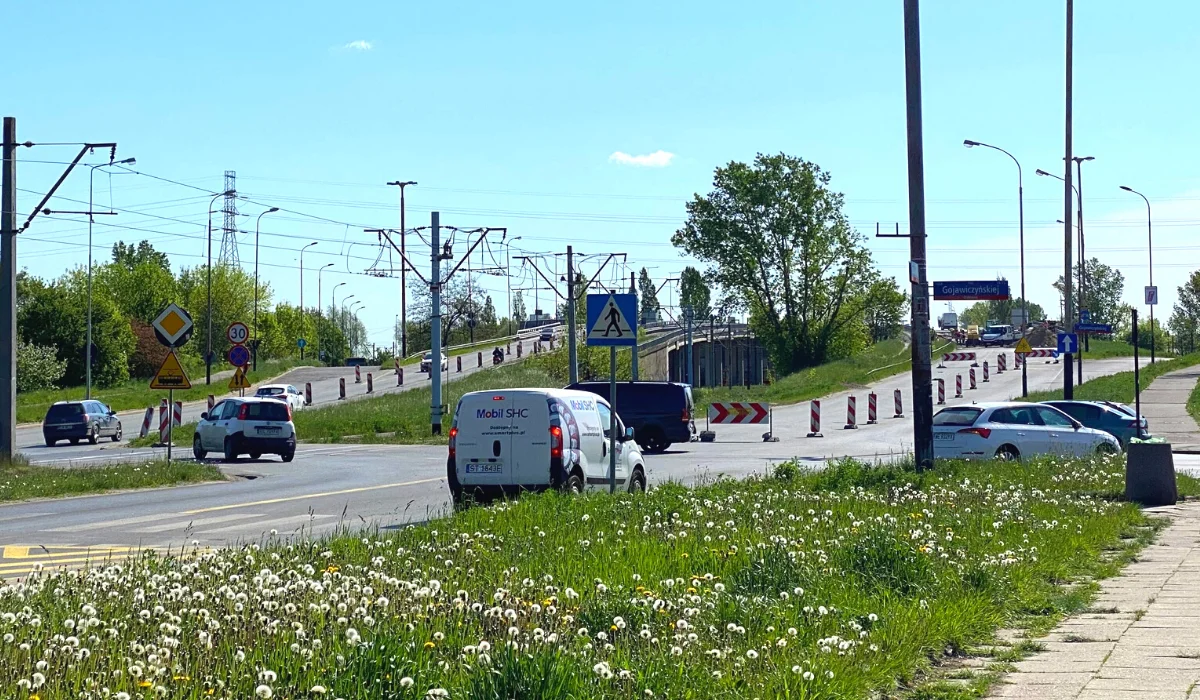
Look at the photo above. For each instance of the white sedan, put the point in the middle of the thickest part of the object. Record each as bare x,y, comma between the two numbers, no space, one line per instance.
1012,430
283,392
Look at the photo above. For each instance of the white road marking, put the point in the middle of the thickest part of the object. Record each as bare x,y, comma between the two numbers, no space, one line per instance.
265,525
183,524
100,524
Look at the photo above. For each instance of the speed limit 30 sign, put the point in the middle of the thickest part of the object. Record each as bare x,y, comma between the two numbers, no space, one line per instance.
237,333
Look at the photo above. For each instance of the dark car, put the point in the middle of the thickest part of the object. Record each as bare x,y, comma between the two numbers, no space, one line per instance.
1115,419
660,413
79,420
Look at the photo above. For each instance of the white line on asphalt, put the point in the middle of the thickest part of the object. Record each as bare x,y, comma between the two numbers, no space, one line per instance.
95,524
314,495
27,515
266,525
183,524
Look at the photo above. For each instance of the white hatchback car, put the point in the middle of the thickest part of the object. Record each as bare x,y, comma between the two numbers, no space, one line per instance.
283,392
1011,430
251,425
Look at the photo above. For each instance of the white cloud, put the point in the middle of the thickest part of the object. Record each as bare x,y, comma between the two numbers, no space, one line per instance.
657,159
360,45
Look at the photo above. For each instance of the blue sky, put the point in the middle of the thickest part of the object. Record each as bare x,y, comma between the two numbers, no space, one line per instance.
509,114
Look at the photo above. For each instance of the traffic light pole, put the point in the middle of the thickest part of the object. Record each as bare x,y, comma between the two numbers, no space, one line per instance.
8,294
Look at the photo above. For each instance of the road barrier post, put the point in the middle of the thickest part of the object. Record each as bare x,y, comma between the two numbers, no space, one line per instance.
164,422
341,388
958,386
972,375
397,365
307,393
177,416
518,349
370,384
146,422
1001,363
985,372
459,360
479,358
814,420
941,391
357,375
851,418
872,408
400,377
899,404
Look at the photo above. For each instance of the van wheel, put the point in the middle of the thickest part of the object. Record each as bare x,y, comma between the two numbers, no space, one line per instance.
255,455
573,484
637,482
653,440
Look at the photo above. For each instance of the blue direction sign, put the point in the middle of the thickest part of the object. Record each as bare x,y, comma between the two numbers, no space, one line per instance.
967,291
1067,343
239,356
611,320
301,342
1093,328
1085,316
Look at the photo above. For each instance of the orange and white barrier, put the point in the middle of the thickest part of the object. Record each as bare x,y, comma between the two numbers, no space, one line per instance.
958,386
177,415
479,358
459,360
941,391
1001,364
985,372
400,377
164,417
851,417
307,393
899,404
397,365
341,388
357,375
872,408
955,357
149,417
972,378
814,416
211,400
370,384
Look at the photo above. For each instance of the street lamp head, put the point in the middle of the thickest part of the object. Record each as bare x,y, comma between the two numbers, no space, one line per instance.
1043,173
327,265
397,183
127,161
272,210
1087,158
970,144
1126,188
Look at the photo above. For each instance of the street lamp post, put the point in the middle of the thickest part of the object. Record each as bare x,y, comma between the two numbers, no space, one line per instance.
333,314
1021,237
1079,273
403,271
508,279
208,354
1083,275
256,225
1150,253
302,295
345,326
88,345
319,271
354,309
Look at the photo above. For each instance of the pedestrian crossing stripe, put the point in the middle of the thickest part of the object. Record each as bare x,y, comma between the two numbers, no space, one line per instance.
611,323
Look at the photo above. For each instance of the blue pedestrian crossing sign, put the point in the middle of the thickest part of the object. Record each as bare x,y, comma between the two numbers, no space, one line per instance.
1068,343
611,320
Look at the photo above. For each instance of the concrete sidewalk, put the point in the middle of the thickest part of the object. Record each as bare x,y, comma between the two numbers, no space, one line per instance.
1164,405
1142,639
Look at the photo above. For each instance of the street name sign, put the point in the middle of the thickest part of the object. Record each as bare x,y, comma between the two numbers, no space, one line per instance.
988,290
1093,328
612,320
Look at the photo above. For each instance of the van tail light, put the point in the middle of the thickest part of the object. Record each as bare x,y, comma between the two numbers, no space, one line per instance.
556,442
244,412
687,415
984,433
289,408
452,442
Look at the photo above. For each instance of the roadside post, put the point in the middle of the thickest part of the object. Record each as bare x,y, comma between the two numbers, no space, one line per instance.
370,384
899,404
872,409
851,413
173,328
941,391
611,323
814,419
1137,385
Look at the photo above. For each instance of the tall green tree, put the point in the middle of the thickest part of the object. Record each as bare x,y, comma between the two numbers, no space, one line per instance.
131,256
694,293
775,233
1102,290
519,314
232,300
883,309
1186,314
647,296
981,313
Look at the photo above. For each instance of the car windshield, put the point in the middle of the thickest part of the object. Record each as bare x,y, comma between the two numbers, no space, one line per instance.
269,391
957,416
266,411
65,410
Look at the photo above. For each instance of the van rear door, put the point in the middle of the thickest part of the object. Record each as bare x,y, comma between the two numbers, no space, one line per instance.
484,439
530,453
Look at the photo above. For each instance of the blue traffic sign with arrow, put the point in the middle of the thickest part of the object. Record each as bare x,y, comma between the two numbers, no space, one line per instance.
1067,342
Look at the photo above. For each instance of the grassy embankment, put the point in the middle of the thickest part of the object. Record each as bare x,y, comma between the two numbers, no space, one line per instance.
136,393
21,481
852,582
1119,386
1100,349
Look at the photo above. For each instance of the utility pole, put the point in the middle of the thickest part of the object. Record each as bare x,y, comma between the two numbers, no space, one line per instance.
922,374
633,291
1068,301
403,270
435,325
687,317
8,293
572,351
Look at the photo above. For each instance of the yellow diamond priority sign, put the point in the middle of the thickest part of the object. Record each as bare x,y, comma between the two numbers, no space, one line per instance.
238,380
173,326
1023,347
170,375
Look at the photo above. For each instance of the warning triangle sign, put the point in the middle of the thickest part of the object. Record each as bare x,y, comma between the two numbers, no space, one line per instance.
1023,347
238,380
170,375
611,323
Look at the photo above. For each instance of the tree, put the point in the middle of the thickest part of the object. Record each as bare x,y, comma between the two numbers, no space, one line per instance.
775,234
981,313
487,317
519,314
232,300
140,290
129,256
883,309
1186,314
694,293
38,367
648,296
1103,287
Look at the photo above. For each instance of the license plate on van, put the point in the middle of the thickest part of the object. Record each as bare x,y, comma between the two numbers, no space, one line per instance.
485,468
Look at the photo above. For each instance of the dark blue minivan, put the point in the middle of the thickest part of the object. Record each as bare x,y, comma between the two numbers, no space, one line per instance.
660,413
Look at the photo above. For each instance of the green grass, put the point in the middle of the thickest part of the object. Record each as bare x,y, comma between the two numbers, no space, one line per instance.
21,481
136,393
1193,403
877,362
390,418
1100,349
846,583
1118,387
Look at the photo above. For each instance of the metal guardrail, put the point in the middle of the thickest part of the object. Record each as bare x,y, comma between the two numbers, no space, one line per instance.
655,344
523,334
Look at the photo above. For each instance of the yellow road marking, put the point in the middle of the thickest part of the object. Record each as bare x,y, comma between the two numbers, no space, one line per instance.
311,495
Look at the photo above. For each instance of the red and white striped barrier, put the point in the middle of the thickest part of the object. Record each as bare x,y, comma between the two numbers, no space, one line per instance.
164,417
985,372
958,386
1016,360
177,415
1001,364
357,375
400,377
211,400
972,378
851,417
479,359
307,393
739,413
459,359
341,388
814,419
370,384
956,357
941,391
146,421
1043,352
397,371
872,409
899,404
519,349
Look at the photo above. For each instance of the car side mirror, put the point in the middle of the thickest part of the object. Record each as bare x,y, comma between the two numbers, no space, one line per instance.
628,435
1077,425
204,416
112,413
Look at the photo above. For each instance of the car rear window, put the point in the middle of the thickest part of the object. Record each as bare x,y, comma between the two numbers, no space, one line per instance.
957,416
269,391
266,410
65,410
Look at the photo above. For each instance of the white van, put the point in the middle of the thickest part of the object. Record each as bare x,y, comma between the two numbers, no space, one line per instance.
513,440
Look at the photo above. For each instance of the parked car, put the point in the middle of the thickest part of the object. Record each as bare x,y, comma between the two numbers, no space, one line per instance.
1115,419
427,362
252,425
78,420
282,392
660,413
1012,430
512,440
546,335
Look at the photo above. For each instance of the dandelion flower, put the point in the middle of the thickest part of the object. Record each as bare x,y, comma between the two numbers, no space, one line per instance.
264,691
